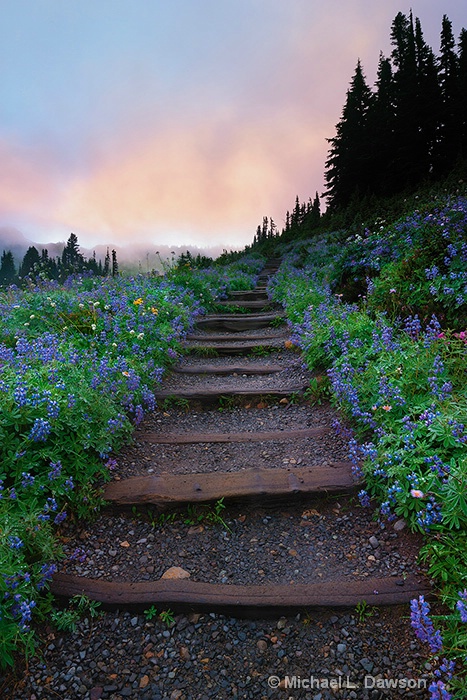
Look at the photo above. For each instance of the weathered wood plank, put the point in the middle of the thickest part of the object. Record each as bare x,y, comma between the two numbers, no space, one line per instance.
253,436
173,489
209,393
249,303
255,601
234,337
231,348
238,322
258,293
228,369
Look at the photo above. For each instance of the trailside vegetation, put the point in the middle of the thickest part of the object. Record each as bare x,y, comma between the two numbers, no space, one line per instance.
79,362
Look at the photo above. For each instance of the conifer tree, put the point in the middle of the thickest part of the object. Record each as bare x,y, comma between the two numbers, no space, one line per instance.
30,263
7,268
347,166
114,263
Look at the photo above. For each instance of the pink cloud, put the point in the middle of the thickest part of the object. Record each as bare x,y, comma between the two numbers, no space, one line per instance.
203,179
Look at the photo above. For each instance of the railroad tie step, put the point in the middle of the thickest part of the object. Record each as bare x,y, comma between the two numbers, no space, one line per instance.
255,601
228,369
172,490
208,393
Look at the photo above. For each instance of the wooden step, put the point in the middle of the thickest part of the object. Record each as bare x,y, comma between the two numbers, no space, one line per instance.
181,489
251,294
250,303
231,337
236,600
235,348
238,322
211,394
240,369
246,436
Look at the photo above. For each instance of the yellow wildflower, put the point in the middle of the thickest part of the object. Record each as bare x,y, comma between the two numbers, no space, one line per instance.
137,302
154,310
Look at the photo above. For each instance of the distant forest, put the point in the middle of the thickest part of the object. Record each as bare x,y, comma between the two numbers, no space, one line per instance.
410,130
59,268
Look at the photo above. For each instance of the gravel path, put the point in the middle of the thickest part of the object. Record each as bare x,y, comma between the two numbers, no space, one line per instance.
144,457
326,540
317,655
125,655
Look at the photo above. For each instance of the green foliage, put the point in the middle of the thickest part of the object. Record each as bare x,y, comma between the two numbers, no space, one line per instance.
195,514
79,606
364,611
166,616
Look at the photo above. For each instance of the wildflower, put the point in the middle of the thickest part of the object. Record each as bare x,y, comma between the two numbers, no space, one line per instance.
40,430
423,625
461,605
137,302
386,407
47,571
438,691
55,470
364,499
154,310
392,291
126,374
27,480
416,493
60,517
15,542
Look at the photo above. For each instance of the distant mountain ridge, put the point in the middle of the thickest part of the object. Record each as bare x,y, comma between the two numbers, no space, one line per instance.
133,258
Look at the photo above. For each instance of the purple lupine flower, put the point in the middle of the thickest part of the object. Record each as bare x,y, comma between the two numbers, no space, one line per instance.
438,691
364,499
423,624
40,430
27,480
461,605
47,571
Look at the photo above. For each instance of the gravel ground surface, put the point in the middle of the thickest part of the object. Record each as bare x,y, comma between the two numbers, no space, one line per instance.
126,655
326,540
144,457
293,374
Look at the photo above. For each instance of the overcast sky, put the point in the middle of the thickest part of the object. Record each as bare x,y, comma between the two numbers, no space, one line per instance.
178,121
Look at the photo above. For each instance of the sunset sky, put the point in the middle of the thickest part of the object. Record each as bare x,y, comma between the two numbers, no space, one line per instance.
181,122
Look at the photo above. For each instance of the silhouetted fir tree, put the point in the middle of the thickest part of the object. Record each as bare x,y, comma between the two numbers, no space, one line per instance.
462,106
7,268
428,100
114,263
106,270
449,138
347,166
380,130
410,161
31,263
315,211
72,260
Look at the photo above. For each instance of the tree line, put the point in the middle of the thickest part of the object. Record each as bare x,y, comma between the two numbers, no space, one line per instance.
411,128
70,262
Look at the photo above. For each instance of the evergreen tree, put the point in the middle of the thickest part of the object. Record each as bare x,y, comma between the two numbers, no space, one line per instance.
449,127
347,166
462,108
106,270
408,139
7,268
72,260
427,101
114,264
31,262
